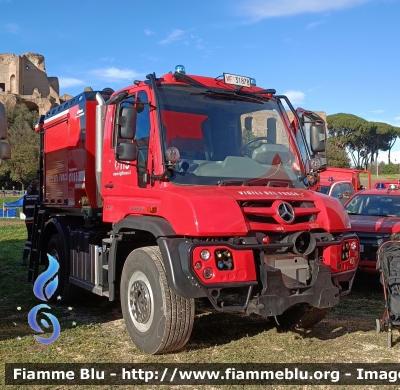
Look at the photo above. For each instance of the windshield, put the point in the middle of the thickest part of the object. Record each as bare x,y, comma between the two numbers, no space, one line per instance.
227,138
378,205
324,189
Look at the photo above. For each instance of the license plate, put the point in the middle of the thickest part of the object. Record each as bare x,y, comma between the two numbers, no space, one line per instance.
233,79
361,248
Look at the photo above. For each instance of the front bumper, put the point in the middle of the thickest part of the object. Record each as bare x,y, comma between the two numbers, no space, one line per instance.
277,298
370,243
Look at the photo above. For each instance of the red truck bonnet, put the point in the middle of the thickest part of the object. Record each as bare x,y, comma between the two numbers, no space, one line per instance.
236,210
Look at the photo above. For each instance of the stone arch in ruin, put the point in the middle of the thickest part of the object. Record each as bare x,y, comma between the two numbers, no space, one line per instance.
13,84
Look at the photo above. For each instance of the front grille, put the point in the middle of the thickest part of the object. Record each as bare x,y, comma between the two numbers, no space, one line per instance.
266,211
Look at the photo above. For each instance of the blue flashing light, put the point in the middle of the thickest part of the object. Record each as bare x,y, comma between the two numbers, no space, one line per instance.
180,69
253,81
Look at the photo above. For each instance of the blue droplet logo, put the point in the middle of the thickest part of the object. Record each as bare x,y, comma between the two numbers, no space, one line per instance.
44,287
42,290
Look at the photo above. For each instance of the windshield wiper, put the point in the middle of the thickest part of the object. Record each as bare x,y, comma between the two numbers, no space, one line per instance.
186,79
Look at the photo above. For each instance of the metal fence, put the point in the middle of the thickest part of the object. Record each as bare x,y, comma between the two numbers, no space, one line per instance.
11,193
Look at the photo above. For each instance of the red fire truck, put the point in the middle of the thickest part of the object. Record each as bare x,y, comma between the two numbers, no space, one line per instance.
342,183
182,187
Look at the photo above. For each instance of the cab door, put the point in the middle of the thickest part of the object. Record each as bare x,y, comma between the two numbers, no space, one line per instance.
125,188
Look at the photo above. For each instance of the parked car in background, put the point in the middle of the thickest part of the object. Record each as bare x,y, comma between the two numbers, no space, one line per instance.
374,217
342,183
342,190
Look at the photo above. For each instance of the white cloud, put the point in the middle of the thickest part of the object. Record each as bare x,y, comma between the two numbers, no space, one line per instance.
378,111
149,32
173,36
397,118
107,59
261,9
115,74
313,25
295,97
66,82
12,28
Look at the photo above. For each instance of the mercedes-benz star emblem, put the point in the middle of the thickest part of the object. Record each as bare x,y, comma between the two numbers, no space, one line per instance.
286,212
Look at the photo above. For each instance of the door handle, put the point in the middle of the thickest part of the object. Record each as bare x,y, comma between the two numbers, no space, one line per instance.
109,185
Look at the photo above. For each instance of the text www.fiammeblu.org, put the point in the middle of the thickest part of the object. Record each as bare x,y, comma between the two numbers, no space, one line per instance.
229,374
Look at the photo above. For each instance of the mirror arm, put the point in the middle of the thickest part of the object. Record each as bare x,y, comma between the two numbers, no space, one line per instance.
169,170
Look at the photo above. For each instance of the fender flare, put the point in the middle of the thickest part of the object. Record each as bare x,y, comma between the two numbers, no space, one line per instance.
168,242
157,226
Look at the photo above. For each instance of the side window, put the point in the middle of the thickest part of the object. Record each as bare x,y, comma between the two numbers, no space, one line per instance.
142,135
348,191
143,119
337,191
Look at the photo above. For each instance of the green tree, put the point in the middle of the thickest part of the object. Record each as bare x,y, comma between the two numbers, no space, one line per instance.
364,139
24,162
337,156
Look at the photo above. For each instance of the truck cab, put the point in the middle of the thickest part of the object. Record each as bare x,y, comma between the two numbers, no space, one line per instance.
182,187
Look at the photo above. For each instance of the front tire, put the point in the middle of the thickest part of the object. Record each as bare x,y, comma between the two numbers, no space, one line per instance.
157,320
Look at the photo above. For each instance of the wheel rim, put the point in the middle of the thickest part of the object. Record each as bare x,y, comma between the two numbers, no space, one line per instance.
140,300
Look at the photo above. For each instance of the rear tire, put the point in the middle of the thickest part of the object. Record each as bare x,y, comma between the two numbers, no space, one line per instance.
300,316
157,320
66,291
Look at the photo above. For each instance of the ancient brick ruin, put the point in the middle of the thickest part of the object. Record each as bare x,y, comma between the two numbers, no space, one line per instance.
23,79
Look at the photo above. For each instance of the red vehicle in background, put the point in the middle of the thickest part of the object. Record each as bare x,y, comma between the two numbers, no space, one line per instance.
387,184
342,183
374,216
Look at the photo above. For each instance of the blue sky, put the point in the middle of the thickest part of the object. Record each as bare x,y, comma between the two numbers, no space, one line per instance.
326,55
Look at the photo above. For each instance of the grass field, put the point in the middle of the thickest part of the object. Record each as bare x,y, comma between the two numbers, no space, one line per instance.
92,330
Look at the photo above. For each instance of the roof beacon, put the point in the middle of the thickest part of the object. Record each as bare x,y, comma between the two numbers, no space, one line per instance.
180,69
253,81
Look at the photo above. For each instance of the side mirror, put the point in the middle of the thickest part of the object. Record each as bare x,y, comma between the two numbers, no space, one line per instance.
3,122
127,123
126,151
318,138
5,148
5,151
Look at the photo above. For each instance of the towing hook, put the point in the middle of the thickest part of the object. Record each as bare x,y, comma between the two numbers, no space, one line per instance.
304,243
